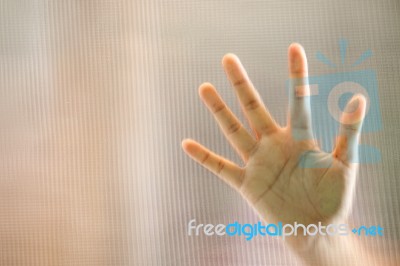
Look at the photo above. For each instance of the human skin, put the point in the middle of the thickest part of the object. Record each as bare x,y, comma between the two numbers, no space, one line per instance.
272,180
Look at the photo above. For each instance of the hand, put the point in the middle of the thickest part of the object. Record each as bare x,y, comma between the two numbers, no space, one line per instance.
273,179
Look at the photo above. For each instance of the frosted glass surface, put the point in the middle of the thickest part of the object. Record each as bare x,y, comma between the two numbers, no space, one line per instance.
96,96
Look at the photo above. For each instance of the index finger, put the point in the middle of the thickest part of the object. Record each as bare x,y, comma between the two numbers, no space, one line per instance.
299,93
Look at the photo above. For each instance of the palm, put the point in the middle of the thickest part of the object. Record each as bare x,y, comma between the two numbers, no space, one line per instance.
286,177
280,189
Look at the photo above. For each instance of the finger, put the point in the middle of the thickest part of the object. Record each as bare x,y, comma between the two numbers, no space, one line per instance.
299,93
346,148
226,170
234,131
255,111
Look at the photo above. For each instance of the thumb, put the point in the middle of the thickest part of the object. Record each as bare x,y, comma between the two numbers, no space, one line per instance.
351,121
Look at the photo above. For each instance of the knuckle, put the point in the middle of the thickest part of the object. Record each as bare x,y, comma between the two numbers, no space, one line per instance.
253,149
221,166
252,105
299,71
205,158
353,128
240,82
233,128
218,107
268,128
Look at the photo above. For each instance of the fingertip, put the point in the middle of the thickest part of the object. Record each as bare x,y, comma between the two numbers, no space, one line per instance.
190,145
192,148
229,59
362,100
297,60
362,105
355,110
185,144
205,89
295,48
357,103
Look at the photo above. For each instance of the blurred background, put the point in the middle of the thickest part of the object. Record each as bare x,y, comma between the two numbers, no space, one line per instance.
96,96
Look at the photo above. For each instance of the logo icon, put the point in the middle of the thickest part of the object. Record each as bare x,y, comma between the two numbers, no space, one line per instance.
329,94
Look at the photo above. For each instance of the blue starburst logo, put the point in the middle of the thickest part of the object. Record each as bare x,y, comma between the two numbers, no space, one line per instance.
343,51
329,94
